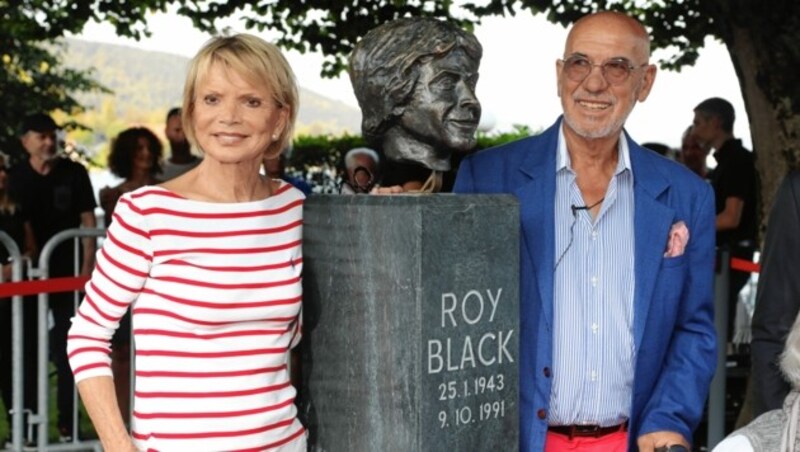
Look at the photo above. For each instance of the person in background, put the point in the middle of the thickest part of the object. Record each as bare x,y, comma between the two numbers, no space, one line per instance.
617,340
135,157
777,429
693,154
181,158
15,223
210,263
735,185
777,298
362,167
57,194
276,169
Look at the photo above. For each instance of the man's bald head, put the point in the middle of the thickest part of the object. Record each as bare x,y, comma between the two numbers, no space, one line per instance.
602,22
596,103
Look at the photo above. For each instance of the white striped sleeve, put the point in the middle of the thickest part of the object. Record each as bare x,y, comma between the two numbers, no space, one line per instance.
122,266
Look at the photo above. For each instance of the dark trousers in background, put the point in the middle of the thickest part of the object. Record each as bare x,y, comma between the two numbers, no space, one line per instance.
121,365
62,307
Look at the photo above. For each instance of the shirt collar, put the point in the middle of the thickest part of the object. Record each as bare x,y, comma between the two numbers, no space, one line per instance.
724,150
563,161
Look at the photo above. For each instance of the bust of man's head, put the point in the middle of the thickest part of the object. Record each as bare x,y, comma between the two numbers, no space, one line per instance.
415,82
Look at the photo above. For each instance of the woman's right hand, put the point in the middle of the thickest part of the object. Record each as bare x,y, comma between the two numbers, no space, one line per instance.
99,398
127,446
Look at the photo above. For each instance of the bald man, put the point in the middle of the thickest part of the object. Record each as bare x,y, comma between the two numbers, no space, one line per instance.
617,342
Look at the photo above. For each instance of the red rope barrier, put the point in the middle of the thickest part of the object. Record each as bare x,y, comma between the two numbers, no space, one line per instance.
69,284
65,284
744,265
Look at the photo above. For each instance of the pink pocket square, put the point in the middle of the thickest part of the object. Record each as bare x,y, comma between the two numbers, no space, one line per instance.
678,238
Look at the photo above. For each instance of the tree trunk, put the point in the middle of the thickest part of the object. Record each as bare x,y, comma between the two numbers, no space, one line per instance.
764,43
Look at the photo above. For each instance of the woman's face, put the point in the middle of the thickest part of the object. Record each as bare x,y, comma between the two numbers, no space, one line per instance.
235,121
142,158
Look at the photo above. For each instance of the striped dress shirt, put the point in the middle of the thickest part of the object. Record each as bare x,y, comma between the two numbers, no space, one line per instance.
593,350
215,293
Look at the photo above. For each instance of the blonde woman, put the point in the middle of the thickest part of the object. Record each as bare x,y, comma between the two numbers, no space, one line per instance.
209,263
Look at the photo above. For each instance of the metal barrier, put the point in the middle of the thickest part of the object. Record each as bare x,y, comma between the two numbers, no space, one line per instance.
716,403
17,382
40,419
716,395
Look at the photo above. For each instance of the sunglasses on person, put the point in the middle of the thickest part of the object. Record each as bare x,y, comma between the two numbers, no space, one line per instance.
616,71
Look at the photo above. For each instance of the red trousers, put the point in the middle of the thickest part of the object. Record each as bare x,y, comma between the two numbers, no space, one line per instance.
614,442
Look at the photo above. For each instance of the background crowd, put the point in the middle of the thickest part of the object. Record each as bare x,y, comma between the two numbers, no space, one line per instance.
48,193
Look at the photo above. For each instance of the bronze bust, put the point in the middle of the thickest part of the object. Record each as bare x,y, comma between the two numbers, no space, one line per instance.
415,79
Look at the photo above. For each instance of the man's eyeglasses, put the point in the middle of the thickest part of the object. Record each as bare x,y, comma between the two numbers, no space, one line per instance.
363,181
616,70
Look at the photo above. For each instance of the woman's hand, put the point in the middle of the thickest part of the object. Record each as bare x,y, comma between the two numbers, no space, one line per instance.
100,400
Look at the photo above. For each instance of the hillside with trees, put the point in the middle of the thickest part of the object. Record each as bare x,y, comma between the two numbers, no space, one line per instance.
144,85
761,40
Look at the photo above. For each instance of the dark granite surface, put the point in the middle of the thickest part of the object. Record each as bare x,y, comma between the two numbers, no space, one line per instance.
411,316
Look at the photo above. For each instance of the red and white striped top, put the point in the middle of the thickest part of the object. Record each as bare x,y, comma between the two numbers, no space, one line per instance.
215,293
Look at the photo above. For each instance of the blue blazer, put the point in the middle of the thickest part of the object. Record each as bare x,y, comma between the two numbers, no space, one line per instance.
674,336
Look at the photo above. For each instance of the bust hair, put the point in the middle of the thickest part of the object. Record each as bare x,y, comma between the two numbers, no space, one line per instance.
255,60
123,151
384,67
350,157
790,358
718,107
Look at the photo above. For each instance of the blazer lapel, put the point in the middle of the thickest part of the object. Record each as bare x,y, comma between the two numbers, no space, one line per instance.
537,197
652,221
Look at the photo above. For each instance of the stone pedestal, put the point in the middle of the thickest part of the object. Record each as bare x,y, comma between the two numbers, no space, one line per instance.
412,322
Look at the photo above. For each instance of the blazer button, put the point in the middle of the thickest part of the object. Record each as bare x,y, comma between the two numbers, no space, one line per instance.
541,414
546,372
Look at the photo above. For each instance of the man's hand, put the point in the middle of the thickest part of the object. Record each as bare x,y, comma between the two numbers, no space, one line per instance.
393,190
650,441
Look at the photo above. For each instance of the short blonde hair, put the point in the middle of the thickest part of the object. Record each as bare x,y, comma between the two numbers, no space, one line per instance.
258,62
